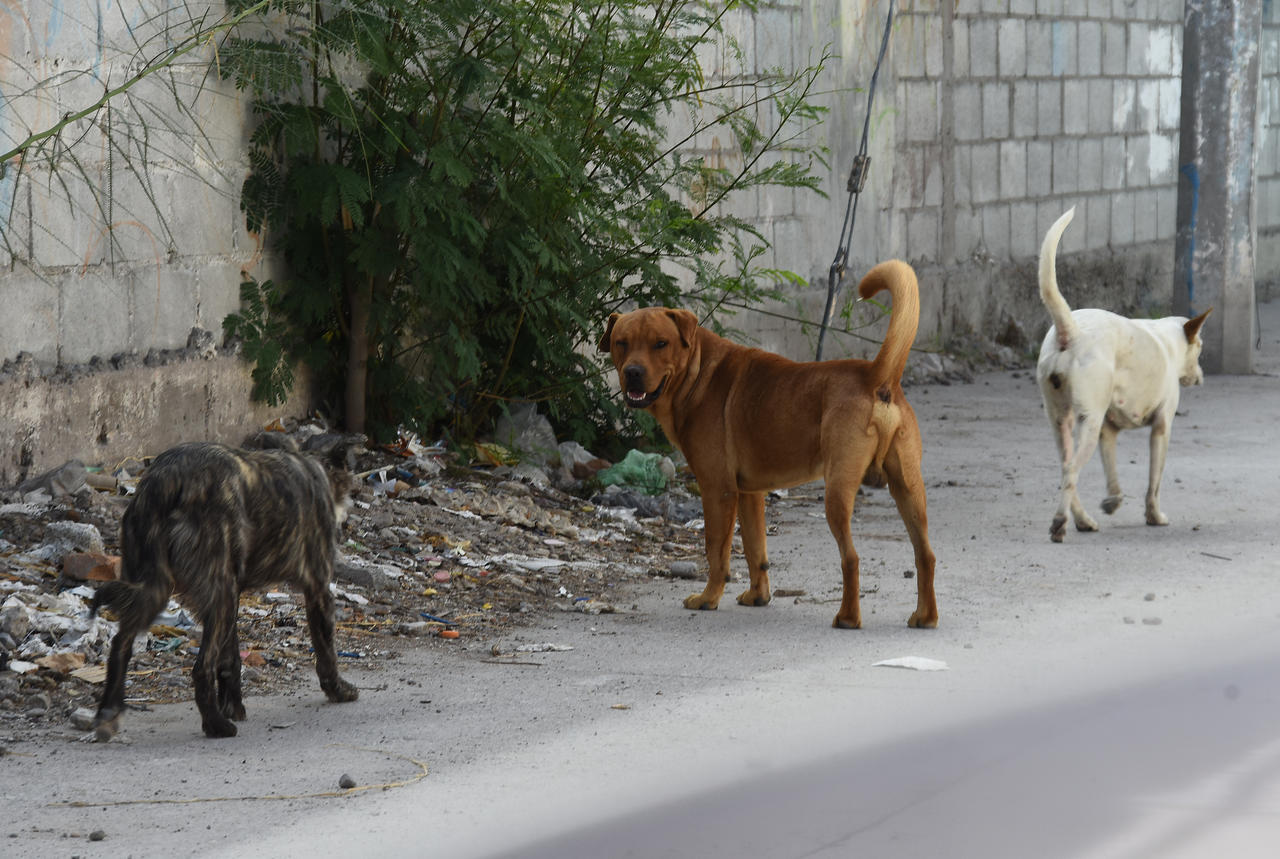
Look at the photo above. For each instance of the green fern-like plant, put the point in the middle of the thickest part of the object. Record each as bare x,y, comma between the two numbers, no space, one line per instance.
463,190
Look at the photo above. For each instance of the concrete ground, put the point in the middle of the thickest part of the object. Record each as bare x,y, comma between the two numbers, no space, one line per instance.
1115,695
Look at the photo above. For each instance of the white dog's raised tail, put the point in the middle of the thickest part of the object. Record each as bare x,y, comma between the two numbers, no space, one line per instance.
1058,308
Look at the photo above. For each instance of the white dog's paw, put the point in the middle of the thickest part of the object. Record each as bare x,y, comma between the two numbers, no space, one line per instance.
1085,522
1110,503
1155,517
1058,529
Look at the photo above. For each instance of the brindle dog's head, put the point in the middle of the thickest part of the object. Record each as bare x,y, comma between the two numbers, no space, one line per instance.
650,349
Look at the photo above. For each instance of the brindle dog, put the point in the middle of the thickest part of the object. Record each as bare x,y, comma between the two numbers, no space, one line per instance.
207,523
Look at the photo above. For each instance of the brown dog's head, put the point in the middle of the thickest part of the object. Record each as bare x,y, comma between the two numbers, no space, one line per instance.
649,347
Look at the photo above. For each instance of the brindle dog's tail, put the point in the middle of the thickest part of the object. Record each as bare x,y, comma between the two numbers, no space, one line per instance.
900,279
1057,306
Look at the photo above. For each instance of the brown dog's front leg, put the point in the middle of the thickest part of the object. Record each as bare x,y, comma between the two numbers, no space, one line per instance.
719,511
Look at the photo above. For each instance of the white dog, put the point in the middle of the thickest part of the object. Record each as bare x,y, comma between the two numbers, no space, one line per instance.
1100,373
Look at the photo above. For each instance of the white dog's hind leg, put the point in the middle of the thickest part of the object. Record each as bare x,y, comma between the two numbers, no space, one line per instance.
1075,453
1159,448
1107,448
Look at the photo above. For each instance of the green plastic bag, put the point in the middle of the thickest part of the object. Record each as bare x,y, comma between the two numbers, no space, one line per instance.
637,470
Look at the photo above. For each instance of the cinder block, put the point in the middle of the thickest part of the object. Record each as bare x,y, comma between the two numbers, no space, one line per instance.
995,230
1099,8
1124,96
1023,241
1024,108
164,301
1039,169
29,322
1166,213
923,228
1075,8
1140,54
985,177
1066,164
1075,106
983,48
94,317
1012,38
960,48
1114,48
1063,34
1022,7
1139,151
1162,158
1090,41
995,110
1146,204
967,102
1170,104
1097,223
968,237
1099,106
1122,219
922,110
774,38
1049,8
1114,163
1148,102
219,288
1090,174
1013,169
1039,48
1049,113
962,170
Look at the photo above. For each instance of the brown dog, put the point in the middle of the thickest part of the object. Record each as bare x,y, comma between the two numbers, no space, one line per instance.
749,421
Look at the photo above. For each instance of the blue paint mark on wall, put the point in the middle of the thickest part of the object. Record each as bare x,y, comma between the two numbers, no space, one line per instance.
1193,176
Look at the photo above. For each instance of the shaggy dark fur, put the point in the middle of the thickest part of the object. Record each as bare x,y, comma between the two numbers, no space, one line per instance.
207,523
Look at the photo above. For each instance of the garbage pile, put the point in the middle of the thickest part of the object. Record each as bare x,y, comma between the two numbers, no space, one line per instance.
440,548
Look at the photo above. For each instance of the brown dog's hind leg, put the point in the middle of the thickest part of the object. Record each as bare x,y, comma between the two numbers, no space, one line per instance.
839,504
906,485
751,518
320,619
719,511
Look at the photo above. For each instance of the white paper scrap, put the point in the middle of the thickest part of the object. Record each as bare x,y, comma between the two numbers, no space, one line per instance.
915,663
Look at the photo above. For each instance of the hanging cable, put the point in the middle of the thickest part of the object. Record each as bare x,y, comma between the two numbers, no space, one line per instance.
857,180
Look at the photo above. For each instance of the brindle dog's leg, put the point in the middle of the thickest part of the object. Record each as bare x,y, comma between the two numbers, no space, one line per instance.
230,699
320,619
204,675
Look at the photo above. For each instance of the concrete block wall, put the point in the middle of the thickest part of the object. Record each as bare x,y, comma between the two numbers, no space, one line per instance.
991,118
123,244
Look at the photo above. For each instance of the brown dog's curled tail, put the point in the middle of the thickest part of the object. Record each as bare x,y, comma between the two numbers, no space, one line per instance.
900,279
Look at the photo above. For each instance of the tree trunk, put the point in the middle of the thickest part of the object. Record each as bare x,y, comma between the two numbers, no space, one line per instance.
359,299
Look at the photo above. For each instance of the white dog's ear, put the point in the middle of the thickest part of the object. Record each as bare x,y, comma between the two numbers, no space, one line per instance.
686,323
606,341
1192,326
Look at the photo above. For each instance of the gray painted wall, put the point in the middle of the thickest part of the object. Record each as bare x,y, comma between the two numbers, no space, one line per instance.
992,117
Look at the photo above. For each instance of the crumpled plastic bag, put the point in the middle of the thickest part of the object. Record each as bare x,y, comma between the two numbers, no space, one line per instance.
642,471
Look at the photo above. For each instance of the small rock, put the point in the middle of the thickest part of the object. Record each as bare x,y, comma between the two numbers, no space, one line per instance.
346,782
1129,620
1152,621
684,569
1149,597
97,835
82,719
908,574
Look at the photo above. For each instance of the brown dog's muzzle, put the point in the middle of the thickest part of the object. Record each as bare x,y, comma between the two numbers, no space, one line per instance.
637,394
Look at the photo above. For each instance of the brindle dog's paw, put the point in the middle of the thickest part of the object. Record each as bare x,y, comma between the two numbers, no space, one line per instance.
701,602
341,692
105,725
219,728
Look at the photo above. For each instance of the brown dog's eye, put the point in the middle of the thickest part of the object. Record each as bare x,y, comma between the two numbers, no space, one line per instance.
621,344
661,344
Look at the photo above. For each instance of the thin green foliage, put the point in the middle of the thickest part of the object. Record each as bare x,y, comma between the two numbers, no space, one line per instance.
462,190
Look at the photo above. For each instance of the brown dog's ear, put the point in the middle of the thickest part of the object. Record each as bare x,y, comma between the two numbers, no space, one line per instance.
1192,326
605,341
686,323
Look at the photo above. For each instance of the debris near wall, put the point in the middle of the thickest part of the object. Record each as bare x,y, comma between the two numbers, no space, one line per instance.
440,549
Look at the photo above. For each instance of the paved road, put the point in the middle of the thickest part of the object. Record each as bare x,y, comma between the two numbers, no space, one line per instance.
1116,695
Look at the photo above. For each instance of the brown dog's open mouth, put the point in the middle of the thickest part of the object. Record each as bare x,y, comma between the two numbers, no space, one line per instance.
639,399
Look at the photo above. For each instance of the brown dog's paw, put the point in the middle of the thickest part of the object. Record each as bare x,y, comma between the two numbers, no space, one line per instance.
847,622
921,620
752,597
701,602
